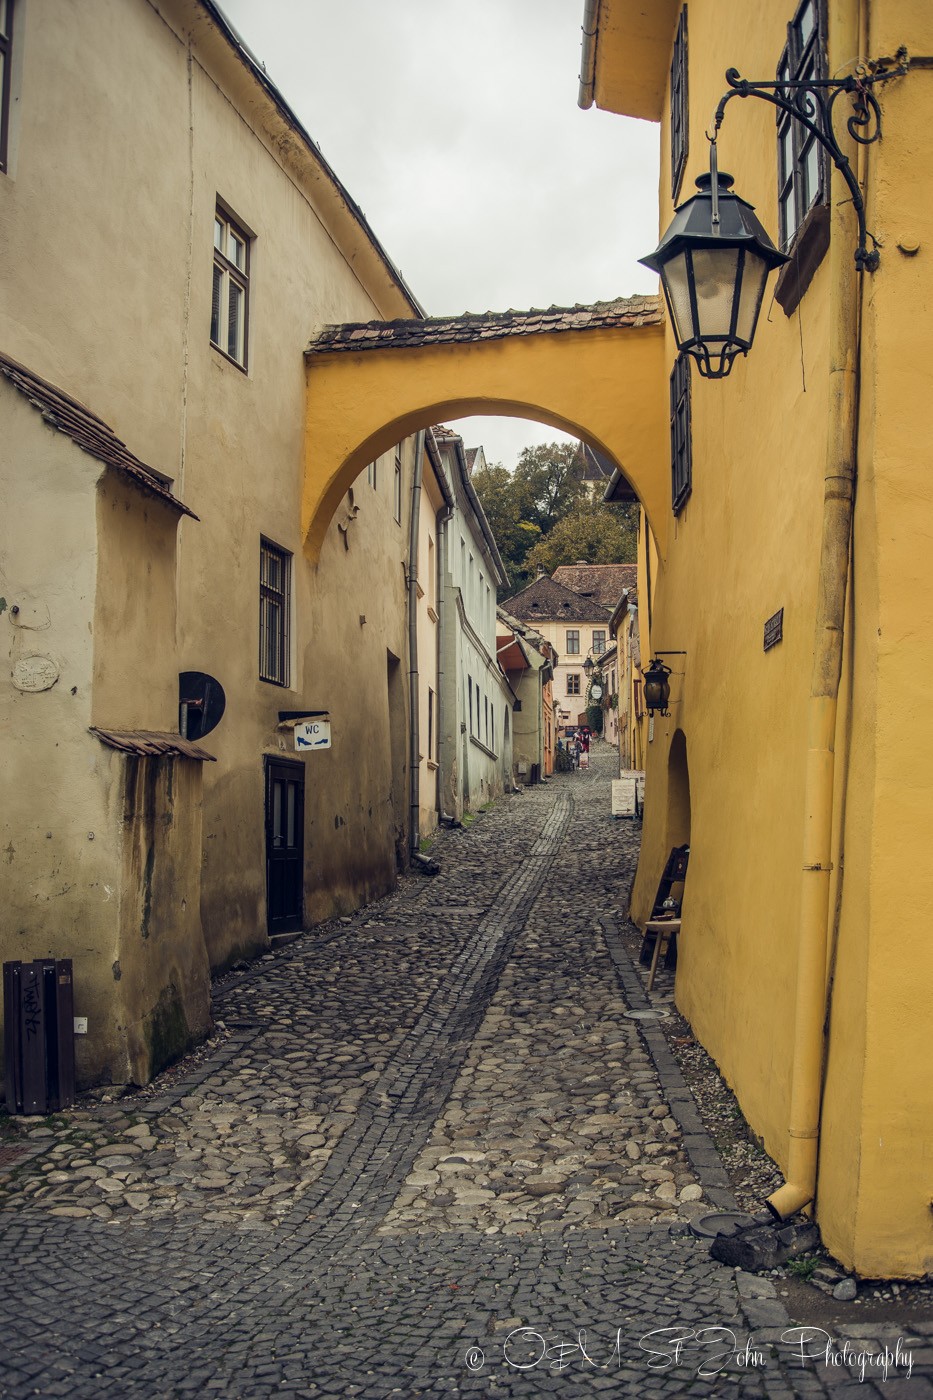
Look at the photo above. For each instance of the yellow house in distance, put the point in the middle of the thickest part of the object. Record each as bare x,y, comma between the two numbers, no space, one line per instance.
797,579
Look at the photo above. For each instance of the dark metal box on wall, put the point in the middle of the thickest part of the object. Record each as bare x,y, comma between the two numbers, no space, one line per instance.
38,1035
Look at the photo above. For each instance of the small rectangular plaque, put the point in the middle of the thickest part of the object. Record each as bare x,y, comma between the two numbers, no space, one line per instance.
774,629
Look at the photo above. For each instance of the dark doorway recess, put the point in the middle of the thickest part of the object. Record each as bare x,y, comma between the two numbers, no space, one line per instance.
285,829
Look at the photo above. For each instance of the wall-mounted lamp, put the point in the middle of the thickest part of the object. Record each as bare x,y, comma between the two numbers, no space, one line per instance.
715,257
657,689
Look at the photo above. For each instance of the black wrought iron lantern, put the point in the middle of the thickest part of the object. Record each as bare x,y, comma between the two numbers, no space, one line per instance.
657,690
588,667
714,262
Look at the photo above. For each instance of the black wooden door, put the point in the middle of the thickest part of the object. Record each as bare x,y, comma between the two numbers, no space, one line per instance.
285,813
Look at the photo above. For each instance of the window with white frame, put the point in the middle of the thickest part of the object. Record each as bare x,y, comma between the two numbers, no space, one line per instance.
230,289
274,610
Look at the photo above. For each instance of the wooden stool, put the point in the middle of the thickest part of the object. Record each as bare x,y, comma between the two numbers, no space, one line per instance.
663,930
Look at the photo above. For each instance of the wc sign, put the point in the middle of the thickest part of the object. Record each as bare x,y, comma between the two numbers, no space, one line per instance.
312,734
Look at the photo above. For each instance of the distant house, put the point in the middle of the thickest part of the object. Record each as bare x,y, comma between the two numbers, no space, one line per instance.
577,627
528,658
475,734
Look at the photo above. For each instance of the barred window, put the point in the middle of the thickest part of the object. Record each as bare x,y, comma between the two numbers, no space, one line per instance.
681,439
274,590
230,289
680,112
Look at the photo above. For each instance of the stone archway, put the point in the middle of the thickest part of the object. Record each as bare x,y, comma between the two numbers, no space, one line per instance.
596,372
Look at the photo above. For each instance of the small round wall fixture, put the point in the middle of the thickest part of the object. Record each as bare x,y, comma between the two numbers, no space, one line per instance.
713,262
657,687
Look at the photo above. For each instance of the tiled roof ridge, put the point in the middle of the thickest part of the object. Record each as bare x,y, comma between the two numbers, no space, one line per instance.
87,431
581,608
629,312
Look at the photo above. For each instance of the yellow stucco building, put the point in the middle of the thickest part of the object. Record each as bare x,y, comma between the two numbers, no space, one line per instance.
804,961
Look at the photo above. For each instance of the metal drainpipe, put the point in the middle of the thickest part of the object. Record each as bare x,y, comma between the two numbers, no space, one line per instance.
588,56
414,699
838,500
444,517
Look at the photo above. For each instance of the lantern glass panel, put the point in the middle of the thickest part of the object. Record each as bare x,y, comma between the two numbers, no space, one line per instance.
715,272
754,276
677,286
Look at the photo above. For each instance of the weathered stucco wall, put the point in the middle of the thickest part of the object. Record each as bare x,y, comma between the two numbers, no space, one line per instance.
88,579
109,93
59,847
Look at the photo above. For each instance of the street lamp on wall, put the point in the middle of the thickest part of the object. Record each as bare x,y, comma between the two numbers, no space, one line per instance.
715,257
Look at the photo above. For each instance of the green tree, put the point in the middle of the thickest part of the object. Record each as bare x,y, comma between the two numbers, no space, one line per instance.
597,533
507,505
548,481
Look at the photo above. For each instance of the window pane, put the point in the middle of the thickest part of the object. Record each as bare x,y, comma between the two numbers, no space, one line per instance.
786,145
675,283
216,297
810,171
807,22
236,251
234,321
754,275
715,273
290,822
219,235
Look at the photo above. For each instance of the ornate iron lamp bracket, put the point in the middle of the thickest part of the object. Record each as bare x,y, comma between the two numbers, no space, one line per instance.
812,102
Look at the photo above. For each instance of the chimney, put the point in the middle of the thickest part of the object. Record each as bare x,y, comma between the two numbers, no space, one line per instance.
540,572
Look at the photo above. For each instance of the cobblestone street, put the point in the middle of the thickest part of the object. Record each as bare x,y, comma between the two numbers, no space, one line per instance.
430,1148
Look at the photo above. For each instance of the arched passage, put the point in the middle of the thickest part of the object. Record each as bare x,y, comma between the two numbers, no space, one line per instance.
599,376
678,792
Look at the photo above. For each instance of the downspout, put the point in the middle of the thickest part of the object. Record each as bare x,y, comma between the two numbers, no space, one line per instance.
588,56
444,516
414,698
838,500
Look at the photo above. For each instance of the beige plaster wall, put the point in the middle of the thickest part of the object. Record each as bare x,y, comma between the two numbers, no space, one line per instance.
131,128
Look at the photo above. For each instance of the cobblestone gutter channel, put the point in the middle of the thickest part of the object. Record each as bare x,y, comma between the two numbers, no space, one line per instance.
432,1157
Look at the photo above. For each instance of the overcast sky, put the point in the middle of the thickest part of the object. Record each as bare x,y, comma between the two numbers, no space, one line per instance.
454,125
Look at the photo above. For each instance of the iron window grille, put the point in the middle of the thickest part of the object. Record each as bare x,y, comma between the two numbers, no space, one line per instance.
573,641
680,112
803,173
230,288
6,64
573,682
681,436
274,592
